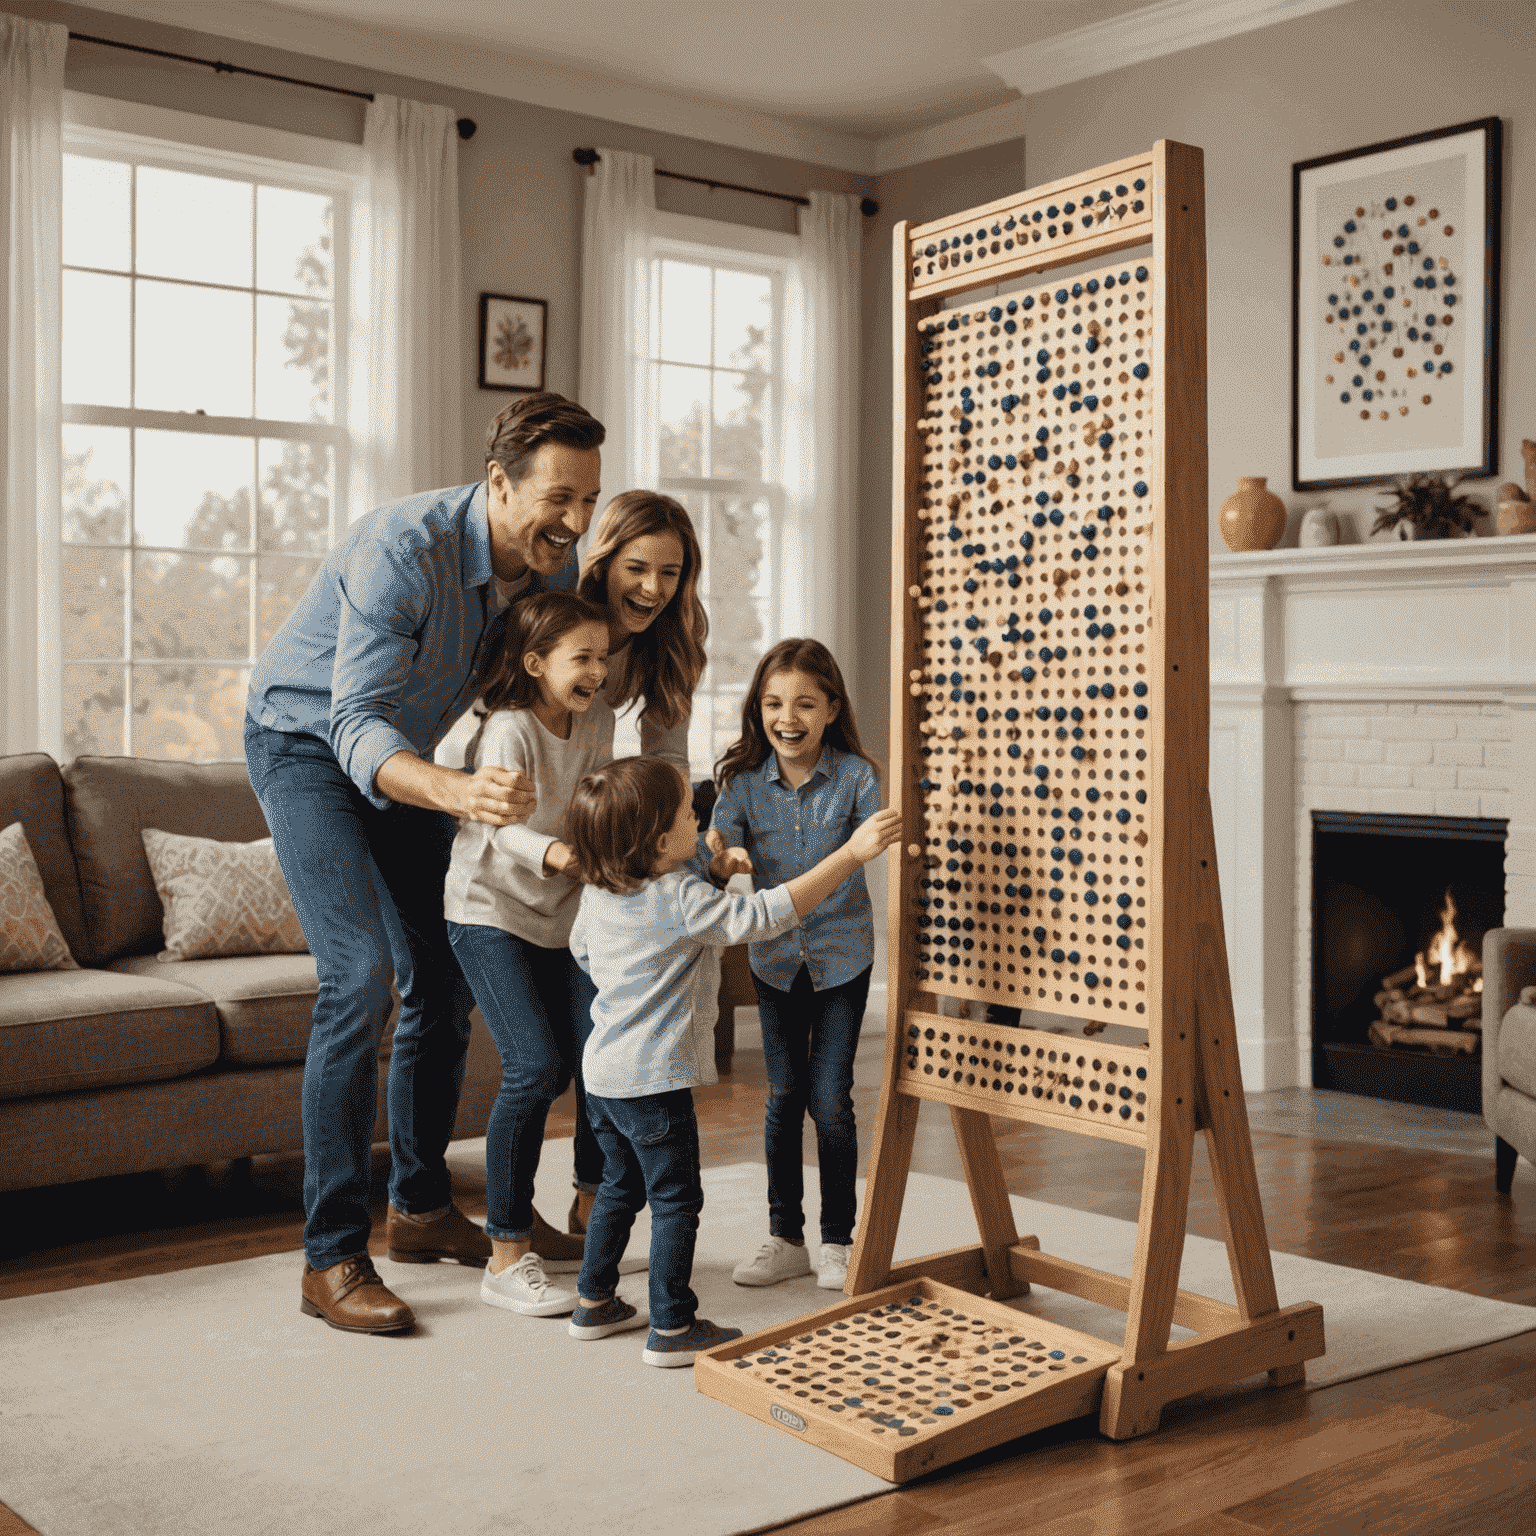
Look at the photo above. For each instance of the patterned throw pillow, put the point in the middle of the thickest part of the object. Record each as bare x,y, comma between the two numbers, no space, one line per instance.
29,932
221,898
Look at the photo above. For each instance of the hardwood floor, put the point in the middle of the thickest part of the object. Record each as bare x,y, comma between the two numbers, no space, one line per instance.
1443,1447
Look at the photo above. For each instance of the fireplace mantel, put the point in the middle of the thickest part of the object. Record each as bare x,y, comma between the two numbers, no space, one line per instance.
1386,626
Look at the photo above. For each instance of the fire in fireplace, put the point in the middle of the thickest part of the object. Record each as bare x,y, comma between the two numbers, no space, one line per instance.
1400,907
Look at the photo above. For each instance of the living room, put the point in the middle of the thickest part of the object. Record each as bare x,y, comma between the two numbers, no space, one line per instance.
1372,760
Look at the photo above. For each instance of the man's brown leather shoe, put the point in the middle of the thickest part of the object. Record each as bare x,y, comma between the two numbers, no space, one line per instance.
350,1296
562,1253
452,1236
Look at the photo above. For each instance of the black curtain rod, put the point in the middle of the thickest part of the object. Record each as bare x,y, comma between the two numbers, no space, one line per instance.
588,156
466,125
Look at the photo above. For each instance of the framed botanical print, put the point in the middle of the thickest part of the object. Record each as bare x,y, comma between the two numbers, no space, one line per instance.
512,342
1395,308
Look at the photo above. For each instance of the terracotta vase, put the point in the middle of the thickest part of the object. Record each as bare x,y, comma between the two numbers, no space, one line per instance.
1516,517
1251,517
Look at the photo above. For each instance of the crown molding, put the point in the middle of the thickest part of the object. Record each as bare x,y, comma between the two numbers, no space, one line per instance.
453,62
976,130
1168,27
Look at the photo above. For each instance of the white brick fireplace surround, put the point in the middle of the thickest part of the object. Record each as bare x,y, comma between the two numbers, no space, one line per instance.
1366,677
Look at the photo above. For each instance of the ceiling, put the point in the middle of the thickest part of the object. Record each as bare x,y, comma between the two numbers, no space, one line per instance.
867,85
871,68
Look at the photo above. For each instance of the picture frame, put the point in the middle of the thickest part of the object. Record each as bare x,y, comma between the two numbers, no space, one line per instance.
513,342
1395,308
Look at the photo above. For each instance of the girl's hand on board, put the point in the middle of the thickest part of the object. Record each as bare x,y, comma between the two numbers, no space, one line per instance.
875,835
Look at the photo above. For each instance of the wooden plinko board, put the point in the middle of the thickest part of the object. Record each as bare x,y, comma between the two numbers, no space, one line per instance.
1049,741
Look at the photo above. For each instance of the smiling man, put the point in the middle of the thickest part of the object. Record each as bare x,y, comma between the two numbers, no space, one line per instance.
386,649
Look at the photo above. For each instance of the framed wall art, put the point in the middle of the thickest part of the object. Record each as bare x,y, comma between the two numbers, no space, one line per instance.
1394,308
512,342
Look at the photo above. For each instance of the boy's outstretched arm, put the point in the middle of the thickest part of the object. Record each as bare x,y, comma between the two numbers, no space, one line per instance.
871,839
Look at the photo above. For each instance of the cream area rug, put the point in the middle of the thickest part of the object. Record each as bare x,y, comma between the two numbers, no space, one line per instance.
203,1401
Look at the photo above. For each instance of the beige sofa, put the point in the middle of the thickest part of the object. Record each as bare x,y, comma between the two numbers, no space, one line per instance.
1509,1048
132,1063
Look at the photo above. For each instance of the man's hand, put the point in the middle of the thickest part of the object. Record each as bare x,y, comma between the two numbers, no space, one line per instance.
498,796
726,861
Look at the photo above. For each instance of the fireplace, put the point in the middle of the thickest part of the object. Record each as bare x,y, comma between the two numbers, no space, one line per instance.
1390,1018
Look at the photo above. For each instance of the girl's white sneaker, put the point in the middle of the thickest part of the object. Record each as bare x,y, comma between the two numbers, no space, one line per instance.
524,1287
778,1259
832,1265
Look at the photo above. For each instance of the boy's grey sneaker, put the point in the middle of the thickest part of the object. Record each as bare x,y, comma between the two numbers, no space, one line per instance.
778,1259
680,1348
611,1316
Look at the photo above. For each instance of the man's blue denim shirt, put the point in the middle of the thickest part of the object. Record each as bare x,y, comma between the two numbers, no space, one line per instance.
390,643
789,831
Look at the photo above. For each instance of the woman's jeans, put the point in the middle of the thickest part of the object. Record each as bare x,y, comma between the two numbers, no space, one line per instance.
367,885
809,1040
650,1155
537,1004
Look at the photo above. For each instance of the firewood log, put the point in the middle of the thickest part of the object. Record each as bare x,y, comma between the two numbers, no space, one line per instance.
1445,1041
1427,1013
1397,1013
1400,978
1465,1006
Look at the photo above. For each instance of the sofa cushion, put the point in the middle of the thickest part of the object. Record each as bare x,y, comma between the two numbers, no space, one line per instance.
264,1002
1517,1048
32,792
111,800
221,898
29,932
65,1030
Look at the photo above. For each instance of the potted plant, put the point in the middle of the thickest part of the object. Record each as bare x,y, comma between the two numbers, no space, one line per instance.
1426,504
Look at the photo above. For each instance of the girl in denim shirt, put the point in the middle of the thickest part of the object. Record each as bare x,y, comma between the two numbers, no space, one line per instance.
795,787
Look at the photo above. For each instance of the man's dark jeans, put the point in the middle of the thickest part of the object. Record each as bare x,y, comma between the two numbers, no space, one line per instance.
650,1154
809,1041
368,888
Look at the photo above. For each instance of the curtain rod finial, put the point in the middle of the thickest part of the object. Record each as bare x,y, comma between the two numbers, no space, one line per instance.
869,207
467,126
584,156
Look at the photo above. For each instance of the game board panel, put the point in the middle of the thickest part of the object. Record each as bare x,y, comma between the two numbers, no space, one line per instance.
896,1380
1036,698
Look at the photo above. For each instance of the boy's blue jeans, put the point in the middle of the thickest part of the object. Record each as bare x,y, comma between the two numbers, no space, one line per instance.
368,888
809,1040
650,1155
537,1004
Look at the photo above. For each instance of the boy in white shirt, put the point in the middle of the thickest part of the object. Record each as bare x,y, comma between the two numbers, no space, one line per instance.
648,932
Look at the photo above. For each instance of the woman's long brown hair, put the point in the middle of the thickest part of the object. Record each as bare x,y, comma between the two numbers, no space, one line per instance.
751,748
664,662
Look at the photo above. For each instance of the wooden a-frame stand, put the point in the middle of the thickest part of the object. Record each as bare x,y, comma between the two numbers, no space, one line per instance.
1191,1049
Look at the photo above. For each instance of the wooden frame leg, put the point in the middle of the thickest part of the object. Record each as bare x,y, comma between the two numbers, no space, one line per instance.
891,1158
989,1199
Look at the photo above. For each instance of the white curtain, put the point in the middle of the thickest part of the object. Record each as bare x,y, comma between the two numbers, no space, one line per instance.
617,381
408,379
31,211
821,427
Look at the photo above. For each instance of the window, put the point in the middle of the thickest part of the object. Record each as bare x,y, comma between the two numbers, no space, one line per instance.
205,453
716,354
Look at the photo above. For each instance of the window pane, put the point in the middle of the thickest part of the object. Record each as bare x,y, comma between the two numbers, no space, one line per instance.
95,339
701,739
295,509
281,581
92,709
192,350
190,606
192,490
293,360
93,589
736,631
189,714
736,547
293,241
741,402
96,224
197,227
743,315
684,312
95,484
683,392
